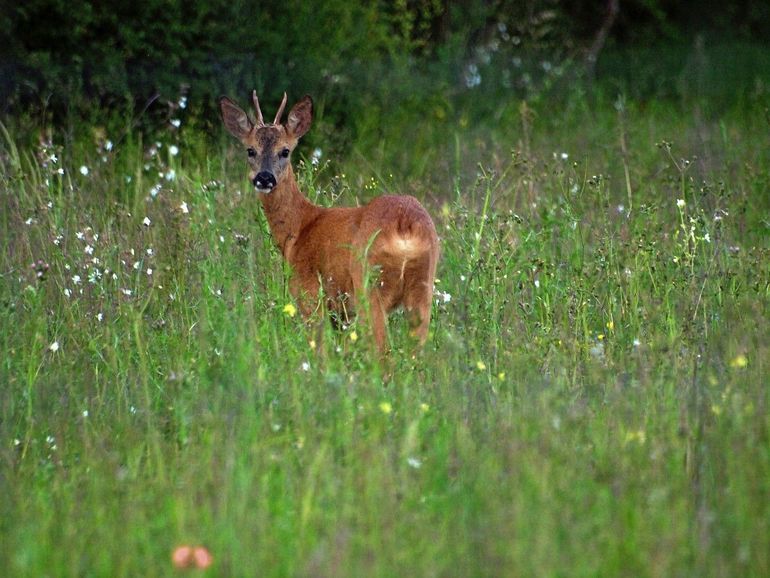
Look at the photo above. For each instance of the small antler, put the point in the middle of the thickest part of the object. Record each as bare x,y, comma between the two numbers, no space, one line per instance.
260,120
280,110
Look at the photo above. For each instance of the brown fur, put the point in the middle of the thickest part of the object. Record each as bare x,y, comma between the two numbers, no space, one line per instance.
327,247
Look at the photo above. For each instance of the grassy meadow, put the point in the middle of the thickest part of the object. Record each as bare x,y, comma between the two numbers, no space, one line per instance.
592,401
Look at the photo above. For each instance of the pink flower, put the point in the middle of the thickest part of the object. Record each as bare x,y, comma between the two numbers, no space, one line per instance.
203,558
182,557
185,557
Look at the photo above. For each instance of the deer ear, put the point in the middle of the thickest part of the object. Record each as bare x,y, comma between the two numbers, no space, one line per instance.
300,117
235,119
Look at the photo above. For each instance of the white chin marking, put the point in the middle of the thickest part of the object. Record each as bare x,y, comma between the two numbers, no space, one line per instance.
263,190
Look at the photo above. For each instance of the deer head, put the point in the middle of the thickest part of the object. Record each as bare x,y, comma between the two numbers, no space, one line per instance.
268,146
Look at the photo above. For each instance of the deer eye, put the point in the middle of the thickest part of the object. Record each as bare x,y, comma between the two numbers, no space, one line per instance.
284,153
251,152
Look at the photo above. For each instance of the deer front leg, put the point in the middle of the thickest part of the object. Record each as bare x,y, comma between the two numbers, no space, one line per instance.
305,292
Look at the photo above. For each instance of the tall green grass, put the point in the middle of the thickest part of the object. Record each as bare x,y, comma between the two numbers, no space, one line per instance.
592,400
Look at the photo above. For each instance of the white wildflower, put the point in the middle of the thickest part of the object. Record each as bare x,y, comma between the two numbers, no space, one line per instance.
146,222
183,207
84,170
597,350
175,122
173,150
680,203
54,347
442,297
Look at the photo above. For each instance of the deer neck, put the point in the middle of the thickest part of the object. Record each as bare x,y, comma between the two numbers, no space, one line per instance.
287,212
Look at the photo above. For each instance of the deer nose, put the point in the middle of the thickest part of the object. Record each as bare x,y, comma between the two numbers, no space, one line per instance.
264,181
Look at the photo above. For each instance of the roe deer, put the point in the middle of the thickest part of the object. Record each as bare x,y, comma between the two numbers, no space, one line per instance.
331,249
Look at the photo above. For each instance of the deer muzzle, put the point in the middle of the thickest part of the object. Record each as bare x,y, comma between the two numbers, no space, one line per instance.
264,182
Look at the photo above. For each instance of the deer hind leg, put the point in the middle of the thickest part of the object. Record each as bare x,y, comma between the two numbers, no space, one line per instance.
378,318
418,307
370,306
418,297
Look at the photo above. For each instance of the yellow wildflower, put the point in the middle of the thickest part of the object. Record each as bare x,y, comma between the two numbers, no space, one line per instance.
290,310
740,361
635,436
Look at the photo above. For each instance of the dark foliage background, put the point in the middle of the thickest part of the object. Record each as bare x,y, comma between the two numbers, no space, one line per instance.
74,56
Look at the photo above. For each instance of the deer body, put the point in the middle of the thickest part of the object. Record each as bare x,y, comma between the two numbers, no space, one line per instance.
392,238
